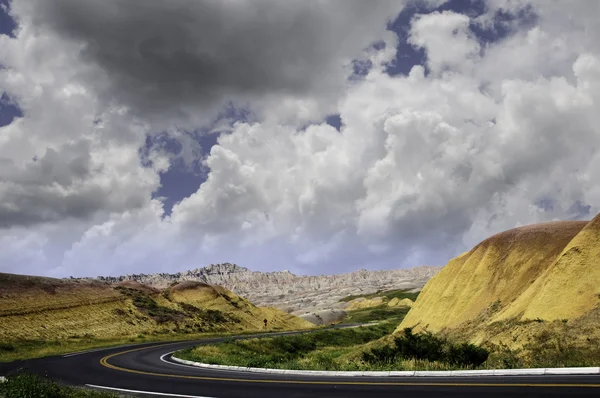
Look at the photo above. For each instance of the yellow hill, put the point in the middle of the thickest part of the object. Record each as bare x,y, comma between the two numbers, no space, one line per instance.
540,272
570,287
250,316
362,302
396,302
36,308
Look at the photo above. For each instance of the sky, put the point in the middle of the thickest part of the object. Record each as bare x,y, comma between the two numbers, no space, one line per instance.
142,136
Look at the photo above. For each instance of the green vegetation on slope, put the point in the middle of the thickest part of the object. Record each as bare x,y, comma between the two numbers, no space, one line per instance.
162,314
374,347
27,385
374,314
323,349
426,347
387,295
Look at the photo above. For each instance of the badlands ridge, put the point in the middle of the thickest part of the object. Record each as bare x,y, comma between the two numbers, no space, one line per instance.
291,293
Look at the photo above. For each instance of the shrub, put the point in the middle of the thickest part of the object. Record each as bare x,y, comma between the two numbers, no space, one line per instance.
426,346
420,346
503,356
27,385
210,316
385,354
466,354
6,347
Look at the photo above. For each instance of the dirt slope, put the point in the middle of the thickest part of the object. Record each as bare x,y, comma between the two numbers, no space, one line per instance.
540,272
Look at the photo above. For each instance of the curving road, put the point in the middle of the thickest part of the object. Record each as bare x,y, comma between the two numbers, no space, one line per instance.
140,368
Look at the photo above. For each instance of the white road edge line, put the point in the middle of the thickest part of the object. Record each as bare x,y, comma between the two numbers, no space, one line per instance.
162,358
163,394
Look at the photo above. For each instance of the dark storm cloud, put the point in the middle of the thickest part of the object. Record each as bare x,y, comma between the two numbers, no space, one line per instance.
169,57
60,184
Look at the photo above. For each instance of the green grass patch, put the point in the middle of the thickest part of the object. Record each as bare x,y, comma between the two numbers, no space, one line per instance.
388,294
209,316
27,385
376,314
375,348
163,315
150,307
315,350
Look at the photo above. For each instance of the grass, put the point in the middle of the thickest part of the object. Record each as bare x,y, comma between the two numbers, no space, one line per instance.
27,385
322,349
374,314
163,314
363,348
316,350
426,347
532,343
388,294
375,348
554,346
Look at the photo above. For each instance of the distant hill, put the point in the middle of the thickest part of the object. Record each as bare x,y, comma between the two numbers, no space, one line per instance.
292,293
516,284
37,308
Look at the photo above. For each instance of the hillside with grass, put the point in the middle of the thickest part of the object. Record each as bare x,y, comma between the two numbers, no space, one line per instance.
40,316
368,347
525,298
532,288
325,349
391,298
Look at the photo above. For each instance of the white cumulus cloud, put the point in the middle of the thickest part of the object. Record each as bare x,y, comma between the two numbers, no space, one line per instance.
480,138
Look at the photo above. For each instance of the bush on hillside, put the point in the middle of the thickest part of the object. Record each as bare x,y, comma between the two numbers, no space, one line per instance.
426,346
466,354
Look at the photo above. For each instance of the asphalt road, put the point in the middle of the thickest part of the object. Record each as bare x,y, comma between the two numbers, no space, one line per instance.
140,368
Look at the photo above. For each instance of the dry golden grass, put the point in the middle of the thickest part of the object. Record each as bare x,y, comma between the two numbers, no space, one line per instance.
541,272
138,286
22,294
360,303
396,302
218,298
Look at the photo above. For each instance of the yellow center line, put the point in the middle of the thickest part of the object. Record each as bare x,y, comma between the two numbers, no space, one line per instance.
104,362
